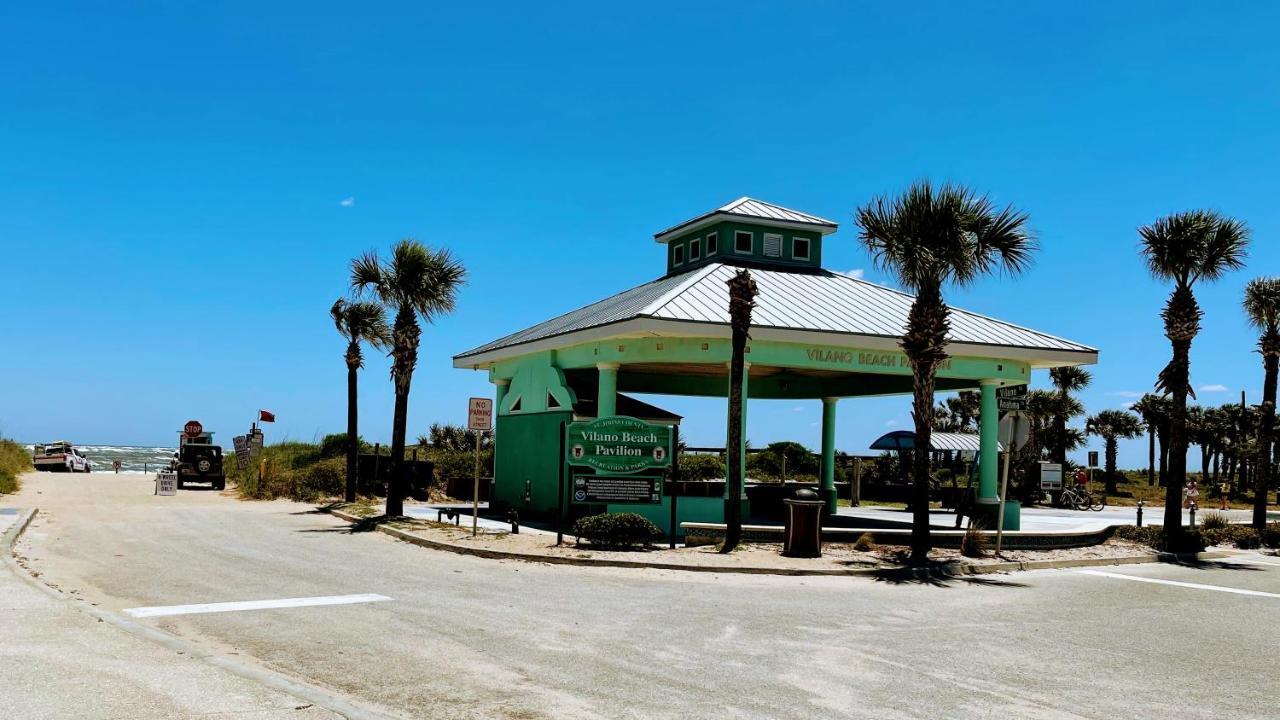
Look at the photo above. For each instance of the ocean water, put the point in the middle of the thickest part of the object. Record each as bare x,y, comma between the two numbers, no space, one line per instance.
132,458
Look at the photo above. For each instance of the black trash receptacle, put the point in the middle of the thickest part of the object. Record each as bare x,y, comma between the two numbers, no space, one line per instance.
802,534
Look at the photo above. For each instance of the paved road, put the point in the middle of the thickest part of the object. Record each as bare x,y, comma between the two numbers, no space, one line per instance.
468,638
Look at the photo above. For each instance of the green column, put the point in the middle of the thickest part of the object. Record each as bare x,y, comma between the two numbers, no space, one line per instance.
607,399
989,455
500,394
829,452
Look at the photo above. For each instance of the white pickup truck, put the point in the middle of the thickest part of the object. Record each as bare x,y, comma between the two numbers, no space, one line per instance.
60,456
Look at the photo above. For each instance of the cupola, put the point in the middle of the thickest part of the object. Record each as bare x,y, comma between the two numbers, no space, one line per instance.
747,232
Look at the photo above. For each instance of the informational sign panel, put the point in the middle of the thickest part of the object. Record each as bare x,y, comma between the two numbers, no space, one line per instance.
1050,476
632,489
618,444
480,414
255,442
166,482
242,450
1012,397
1093,458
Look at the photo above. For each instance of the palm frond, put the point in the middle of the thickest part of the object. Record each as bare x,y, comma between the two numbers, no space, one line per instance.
1262,302
339,314
367,322
368,275
1194,244
930,236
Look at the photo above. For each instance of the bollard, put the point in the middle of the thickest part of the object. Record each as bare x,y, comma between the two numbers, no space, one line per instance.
514,518
1192,506
1140,503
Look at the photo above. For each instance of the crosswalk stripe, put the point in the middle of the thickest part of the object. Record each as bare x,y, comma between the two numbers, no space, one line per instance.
1178,583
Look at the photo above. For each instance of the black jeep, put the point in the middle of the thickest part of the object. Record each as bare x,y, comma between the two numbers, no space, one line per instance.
199,462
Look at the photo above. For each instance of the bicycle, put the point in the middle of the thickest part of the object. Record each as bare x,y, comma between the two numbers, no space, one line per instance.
1082,499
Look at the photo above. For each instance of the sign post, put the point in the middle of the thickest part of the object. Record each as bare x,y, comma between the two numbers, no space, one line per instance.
479,420
1012,434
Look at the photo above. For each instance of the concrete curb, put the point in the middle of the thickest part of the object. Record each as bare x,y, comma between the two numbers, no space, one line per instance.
279,682
892,572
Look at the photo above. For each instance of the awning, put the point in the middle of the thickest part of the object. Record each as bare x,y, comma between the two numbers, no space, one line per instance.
906,440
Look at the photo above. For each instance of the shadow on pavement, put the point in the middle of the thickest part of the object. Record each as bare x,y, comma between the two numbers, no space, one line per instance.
901,577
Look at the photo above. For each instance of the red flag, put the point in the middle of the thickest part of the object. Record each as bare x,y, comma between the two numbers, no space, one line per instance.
264,416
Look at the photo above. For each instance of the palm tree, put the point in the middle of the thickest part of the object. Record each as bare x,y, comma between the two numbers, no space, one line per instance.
742,300
1067,380
929,237
417,283
1262,305
1151,409
1185,248
360,321
1112,426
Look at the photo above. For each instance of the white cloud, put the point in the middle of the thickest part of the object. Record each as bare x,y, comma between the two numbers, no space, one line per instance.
1125,394
890,423
798,408
347,202
1129,405
1216,387
856,273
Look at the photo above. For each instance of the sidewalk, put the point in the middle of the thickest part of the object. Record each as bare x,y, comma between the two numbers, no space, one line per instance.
1039,519
57,661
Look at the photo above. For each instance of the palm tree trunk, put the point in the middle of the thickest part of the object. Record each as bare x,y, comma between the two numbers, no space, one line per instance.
742,294
1111,450
925,346
1151,455
353,432
1266,430
1060,429
395,483
1163,437
1179,371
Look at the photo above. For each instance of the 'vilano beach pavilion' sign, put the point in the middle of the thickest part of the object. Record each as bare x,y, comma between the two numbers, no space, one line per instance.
618,444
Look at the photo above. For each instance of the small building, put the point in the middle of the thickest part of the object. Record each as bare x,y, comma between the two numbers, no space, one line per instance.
816,335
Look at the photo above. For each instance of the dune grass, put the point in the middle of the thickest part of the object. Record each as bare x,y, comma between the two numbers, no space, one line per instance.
14,460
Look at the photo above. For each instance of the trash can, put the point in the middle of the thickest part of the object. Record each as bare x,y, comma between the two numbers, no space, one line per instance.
802,533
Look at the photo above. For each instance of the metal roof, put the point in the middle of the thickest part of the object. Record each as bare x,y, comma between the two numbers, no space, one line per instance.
754,210
906,440
820,301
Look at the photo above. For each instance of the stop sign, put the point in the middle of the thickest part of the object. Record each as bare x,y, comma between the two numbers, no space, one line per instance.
193,428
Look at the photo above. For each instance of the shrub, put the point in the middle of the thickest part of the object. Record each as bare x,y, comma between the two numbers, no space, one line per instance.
974,543
701,467
1245,538
1271,535
335,445
622,530
14,460
1214,521
1153,536
865,543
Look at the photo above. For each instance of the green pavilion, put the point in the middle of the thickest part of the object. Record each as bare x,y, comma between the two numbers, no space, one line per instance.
816,335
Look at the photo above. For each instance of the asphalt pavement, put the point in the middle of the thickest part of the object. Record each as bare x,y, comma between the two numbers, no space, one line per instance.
461,637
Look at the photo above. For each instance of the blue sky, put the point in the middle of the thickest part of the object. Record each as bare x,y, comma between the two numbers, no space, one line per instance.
183,185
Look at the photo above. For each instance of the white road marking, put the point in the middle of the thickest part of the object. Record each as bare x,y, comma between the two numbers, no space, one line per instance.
163,610
1176,583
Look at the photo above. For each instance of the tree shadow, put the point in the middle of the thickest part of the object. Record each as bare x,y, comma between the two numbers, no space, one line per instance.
1212,565
936,576
363,525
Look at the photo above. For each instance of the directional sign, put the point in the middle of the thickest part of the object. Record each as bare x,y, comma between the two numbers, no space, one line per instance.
480,414
618,444
1012,397
632,489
